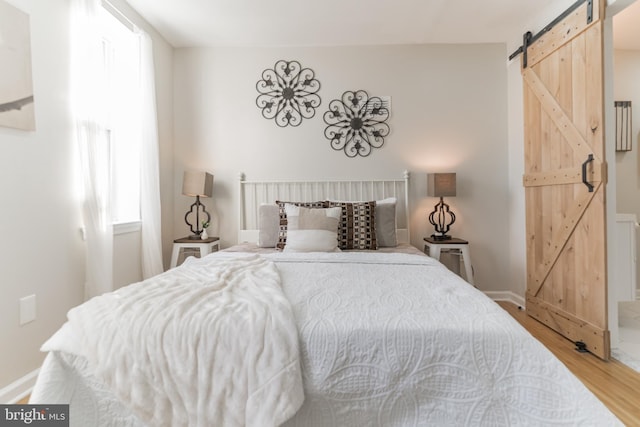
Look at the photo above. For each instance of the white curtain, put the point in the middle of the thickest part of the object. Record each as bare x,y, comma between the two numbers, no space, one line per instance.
93,143
149,168
91,112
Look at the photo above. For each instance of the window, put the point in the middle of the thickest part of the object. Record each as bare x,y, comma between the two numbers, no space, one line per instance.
121,84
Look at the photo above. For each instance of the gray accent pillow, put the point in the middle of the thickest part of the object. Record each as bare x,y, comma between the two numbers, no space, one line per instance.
268,225
386,223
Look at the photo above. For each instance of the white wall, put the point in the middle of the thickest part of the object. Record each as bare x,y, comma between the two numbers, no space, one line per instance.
517,254
42,250
449,109
626,87
40,219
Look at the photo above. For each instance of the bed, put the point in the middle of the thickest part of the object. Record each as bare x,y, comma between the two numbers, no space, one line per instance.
309,335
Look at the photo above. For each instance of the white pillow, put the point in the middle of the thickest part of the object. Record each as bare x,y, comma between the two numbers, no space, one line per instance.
312,230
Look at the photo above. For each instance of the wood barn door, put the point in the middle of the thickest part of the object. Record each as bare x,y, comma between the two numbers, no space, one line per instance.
565,175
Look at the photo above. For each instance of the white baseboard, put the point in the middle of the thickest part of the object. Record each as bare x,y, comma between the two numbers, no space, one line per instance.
507,296
18,389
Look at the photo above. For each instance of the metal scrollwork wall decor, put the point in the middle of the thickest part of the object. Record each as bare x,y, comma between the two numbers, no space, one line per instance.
288,93
356,123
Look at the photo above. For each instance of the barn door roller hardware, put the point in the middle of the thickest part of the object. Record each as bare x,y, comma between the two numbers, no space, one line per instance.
528,38
581,347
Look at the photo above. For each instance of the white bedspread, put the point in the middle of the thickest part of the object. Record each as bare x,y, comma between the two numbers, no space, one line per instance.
211,343
397,340
384,340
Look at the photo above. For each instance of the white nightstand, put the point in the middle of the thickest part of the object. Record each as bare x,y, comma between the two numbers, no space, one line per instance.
204,246
433,248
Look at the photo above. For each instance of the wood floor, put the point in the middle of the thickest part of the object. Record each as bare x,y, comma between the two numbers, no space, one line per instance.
615,384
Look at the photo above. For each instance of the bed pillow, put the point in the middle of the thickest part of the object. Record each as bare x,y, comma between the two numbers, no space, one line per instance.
386,223
312,230
282,225
357,229
268,224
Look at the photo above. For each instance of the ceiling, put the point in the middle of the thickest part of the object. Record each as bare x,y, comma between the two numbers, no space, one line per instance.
189,23
334,22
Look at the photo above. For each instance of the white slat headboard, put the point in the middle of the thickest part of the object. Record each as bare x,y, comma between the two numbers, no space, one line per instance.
255,193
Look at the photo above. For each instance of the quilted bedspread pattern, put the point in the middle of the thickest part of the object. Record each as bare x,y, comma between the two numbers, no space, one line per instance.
397,340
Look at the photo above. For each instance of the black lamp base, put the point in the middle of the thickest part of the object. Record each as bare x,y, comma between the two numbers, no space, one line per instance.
441,218
196,207
440,237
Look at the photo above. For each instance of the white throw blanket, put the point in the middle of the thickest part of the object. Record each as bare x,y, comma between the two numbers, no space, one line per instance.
210,343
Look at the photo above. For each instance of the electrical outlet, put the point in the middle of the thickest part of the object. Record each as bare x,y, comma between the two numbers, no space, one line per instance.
27,309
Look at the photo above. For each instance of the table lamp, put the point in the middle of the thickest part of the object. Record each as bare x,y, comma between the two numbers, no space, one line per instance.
441,185
197,184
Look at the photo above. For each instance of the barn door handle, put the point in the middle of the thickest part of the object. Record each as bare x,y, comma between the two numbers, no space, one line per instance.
584,173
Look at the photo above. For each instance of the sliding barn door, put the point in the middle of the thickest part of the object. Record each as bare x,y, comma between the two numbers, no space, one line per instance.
565,174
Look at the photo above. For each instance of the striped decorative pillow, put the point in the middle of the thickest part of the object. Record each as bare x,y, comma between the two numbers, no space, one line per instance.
357,229
282,229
